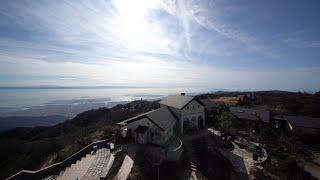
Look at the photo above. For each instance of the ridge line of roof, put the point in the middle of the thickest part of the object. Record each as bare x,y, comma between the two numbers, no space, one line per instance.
155,123
173,114
137,117
191,98
143,115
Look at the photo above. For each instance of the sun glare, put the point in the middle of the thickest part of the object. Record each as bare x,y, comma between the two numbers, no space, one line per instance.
133,26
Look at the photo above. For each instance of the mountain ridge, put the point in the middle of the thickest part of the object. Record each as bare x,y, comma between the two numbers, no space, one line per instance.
33,148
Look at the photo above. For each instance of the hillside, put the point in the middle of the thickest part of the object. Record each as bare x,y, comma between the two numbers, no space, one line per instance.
33,148
7,123
278,102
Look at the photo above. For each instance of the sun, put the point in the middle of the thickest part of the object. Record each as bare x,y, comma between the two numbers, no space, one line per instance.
134,28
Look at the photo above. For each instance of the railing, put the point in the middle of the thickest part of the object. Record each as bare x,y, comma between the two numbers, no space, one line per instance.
54,168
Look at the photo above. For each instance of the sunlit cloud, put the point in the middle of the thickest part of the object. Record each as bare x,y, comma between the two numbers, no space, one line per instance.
149,42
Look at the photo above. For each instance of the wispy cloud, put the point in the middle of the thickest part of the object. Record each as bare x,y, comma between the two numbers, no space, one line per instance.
122,27
207,14
302,43
144,41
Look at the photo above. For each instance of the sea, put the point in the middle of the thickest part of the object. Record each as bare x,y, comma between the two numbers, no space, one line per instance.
21,101
47,106
26,97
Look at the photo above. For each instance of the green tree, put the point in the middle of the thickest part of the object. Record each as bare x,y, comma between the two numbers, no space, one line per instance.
228,123
222,108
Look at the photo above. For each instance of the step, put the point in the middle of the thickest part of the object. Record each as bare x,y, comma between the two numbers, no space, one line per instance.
193,169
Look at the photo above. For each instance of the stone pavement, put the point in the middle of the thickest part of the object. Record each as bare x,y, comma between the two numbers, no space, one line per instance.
125,168
313,169
78,169
92,166
100,165
192,173
241,159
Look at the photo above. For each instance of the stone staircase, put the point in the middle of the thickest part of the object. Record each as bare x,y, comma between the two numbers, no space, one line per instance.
77,169
193,163
91,166
53,177
100,166
193,151
74,167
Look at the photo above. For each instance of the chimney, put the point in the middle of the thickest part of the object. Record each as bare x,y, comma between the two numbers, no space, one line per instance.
183,94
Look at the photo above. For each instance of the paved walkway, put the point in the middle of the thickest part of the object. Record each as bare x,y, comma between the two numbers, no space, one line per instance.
313,169
125,168
89,167
240,158
100,165
78,169
192,173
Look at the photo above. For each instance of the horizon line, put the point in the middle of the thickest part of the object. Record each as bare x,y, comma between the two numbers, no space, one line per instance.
104,87
67,87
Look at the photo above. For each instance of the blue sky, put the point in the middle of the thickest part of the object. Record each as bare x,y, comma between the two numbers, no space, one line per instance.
239,45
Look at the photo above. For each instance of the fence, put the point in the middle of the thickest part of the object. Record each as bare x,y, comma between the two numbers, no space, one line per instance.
54,168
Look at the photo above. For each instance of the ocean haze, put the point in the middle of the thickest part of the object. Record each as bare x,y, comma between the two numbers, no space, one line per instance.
23,97
48,105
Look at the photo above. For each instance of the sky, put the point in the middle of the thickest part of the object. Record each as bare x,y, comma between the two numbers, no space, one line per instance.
236,44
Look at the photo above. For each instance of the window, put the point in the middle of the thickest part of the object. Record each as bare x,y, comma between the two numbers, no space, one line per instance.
198,106
187,107
193,107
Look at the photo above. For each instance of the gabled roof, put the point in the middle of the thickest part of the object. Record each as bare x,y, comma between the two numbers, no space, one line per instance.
250,114
162,118
303,121
178,101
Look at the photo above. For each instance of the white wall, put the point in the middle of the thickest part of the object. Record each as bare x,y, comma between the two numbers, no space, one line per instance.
192,111
159,137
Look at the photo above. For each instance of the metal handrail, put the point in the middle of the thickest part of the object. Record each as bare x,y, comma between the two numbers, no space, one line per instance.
57,166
